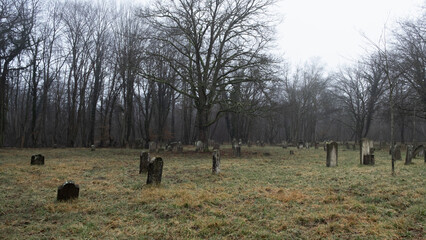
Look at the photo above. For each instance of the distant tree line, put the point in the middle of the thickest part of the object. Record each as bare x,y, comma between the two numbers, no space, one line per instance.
77,73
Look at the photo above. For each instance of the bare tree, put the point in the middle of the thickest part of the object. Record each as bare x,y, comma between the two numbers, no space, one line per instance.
212,40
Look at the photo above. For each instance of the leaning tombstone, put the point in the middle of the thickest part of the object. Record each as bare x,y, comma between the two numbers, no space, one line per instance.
144,162
155,171
331,154
418,151
37,159
67,191
216,162
409,155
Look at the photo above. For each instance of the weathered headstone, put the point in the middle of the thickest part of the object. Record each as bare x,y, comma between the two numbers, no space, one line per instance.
92,147
37,159
316,145
365,150
418,150
67,191
331,154
300,145
216,162
291,152
396,155
152,147
248,143
155,171
144,162
234,144
409,155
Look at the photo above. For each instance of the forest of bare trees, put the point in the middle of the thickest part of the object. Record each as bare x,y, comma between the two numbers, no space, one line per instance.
77,73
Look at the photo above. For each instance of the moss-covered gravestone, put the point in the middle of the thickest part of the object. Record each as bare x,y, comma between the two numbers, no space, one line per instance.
67,191
155,171
331,154
144,162
396,155
37,159
216,162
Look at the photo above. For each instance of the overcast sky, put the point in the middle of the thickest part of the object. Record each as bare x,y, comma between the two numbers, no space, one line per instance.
331,29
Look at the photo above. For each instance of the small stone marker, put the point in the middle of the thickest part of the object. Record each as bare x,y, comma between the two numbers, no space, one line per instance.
316,145
37,159
397,152
216,162
331,154
92,148
409,155
144,162
291,152
155,171
68,190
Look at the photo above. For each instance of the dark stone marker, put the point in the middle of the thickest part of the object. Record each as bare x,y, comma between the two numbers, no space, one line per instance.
316,145
369,159
409,155
397,152
37,159
68,190
144,162
155,171
291,152
216,162
417,150
331,154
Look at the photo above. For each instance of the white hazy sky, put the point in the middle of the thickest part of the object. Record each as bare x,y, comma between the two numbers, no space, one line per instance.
331,29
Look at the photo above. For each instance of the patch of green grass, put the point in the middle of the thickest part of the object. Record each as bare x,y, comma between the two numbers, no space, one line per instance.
257,196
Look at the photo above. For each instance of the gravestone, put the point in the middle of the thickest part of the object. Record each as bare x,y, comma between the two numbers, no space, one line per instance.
67,191
234,144
92,147
155,171
348,147
199,146
248,143
316,145
152,147
307,145
331,154
144,162
291,152
409,155
300,145
216,162
397,152
262,143
418,150
37,159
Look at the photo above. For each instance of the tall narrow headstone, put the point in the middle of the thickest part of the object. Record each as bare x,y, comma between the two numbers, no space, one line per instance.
409,155
332,154
365,151
67,191
179,147
37,159
144,162
155,171
216,162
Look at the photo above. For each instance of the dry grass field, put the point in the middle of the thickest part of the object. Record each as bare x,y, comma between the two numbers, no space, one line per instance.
280,196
